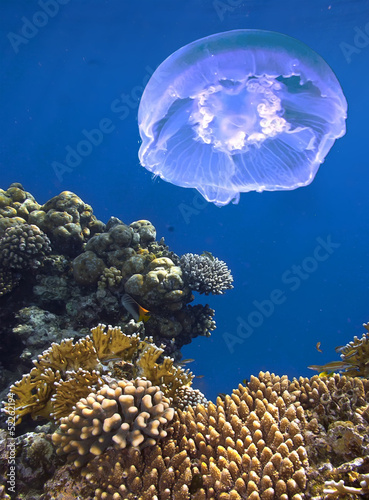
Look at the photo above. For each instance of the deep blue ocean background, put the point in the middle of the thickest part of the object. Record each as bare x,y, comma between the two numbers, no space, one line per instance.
68,75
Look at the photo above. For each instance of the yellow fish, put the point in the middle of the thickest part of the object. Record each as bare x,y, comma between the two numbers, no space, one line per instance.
326,374
207,254
138,312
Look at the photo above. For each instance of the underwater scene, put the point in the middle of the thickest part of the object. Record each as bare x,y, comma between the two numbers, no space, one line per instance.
184,248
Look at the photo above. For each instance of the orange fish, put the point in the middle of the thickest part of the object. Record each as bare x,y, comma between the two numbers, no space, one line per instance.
318,347
138,312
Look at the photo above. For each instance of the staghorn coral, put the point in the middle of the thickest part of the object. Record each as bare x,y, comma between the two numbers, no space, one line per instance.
23,246
121,413
68,371
205,273
354,356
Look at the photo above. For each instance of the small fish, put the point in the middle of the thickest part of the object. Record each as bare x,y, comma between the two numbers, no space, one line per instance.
186,361
199,376
207,254
138,312
196,483
325,374
318,347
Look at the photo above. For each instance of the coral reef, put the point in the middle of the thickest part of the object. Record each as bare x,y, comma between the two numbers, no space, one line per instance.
69,371
124,420
205,273
62,271
121,413
354,358
249,445
272,438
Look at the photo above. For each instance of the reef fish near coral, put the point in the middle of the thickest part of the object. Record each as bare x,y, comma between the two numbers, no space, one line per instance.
138,312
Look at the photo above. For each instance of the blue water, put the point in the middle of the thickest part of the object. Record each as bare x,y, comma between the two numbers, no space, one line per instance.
86,67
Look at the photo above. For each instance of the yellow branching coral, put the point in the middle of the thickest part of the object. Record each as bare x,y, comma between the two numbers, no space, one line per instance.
71,390
68,356
69,371
113,343
354,358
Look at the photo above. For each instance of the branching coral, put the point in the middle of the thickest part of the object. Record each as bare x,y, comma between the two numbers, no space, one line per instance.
334,489
249,445
205,273
354,356
68,371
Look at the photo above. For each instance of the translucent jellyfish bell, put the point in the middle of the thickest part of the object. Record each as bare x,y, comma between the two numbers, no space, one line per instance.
240,111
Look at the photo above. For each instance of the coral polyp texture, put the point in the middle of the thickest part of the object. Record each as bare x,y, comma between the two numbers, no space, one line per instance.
205,273
274,438
122,413
23,246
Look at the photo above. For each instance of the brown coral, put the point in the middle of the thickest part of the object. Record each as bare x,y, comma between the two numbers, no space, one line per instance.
8,281
15,206
68,221
70,370
249,445
23,246
123,413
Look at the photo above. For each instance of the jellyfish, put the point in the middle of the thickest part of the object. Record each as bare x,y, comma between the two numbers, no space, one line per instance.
245,110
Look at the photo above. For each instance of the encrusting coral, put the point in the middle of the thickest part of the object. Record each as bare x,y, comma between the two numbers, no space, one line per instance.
205,273
68,371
